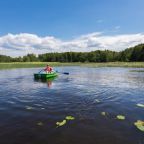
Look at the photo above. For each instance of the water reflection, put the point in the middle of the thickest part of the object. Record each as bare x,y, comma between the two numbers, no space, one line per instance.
48,81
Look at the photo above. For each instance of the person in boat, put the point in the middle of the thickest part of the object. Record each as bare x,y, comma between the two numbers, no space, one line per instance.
48,69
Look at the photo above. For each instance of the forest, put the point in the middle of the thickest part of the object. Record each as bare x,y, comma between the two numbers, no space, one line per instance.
133,54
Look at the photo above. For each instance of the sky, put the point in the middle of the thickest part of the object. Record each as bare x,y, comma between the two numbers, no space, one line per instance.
40,26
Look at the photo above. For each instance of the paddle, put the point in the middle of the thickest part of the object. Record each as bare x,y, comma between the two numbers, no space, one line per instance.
40,71
66,73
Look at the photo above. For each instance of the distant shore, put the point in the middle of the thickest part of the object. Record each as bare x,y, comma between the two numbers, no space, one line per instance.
43,64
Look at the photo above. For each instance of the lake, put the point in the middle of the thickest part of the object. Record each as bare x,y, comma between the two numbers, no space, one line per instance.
30,109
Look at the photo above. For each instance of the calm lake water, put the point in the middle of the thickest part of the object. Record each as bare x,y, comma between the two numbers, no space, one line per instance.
29,109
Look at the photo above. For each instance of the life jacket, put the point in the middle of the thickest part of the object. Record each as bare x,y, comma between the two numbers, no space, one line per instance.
49,69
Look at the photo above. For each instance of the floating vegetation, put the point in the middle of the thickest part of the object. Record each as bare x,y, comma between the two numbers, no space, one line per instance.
103,113
61,123
140,125
29,108
67,118
40,124
140,105
120,117
70,118
137,71
109,97
96,100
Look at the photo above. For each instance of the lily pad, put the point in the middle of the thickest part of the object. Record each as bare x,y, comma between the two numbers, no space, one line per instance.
103,113
61,123
70,118
40,124
29,108
140,105
140,125
96,100
120,117
109,97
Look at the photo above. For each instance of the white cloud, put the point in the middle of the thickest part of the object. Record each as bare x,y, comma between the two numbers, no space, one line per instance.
21,44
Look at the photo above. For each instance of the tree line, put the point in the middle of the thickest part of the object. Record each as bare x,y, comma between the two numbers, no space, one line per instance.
128,55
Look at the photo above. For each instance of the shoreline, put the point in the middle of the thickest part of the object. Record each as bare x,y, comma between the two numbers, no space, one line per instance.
43,64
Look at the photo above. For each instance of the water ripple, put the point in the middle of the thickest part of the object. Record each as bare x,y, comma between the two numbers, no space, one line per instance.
85,93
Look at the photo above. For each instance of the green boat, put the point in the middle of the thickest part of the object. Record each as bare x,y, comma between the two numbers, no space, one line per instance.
45,75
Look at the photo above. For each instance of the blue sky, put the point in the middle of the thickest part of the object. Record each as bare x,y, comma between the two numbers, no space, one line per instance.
40,26
66,19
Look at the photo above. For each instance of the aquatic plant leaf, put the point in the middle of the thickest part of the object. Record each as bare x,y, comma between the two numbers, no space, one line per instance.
140,105
96,100
40,124
120,117
103,113
61,123
140,125
109,97
29,108
70,118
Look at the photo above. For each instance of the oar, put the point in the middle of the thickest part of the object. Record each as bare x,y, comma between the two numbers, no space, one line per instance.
40,71
66,73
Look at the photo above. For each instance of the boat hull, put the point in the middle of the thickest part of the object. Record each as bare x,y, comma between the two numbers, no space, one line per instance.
45,75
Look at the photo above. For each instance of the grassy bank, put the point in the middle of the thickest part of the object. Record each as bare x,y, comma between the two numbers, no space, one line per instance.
43,64
32,64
